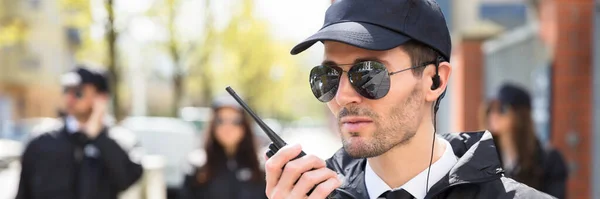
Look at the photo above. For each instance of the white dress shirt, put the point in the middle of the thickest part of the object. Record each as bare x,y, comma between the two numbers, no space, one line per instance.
72,124
416,186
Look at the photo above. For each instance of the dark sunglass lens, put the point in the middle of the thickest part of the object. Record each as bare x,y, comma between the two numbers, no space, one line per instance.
370,79
78,93
237,121
504,108
324,81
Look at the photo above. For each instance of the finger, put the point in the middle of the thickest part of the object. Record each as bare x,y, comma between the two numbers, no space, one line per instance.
312,179
274,165
101,99
294,169
100,105
325,188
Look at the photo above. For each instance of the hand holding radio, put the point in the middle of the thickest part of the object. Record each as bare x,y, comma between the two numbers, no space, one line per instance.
290,173
291,177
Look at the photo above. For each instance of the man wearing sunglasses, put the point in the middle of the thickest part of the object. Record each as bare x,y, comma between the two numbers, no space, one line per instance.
385,69
82,158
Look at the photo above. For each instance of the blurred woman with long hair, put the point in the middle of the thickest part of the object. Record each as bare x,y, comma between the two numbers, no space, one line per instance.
229,167
524,157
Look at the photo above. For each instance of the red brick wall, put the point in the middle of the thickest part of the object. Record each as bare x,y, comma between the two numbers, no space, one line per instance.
572,88
467,85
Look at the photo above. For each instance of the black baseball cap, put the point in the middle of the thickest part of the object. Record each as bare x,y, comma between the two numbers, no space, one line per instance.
512,95
82,75
383,25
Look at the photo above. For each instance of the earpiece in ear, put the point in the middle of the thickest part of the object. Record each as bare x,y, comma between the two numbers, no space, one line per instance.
436,78
436,82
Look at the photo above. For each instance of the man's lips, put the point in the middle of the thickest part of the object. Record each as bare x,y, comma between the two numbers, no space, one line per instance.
354,124
355,119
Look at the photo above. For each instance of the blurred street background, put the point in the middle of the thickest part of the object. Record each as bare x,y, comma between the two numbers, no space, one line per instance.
170,58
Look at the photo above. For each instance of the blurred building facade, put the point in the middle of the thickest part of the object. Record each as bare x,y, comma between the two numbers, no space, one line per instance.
495,49
30,68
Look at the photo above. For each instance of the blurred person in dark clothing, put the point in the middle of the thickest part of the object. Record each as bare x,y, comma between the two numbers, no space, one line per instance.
78,160
524,157
229,166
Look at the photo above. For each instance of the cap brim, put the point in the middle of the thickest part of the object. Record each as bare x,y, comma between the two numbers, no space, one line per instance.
362,35
70,79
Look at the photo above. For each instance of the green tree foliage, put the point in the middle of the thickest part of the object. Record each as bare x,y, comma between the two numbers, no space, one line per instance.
262,69
200,74
77,15
13,29
190,56
243,54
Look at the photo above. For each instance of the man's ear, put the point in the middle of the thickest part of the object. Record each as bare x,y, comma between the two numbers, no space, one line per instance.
444,71
443,75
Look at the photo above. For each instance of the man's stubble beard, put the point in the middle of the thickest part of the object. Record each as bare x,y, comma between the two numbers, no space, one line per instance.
396,130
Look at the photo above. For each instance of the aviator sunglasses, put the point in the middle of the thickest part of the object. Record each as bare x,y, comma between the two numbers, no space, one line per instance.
235,121
76,91
370,79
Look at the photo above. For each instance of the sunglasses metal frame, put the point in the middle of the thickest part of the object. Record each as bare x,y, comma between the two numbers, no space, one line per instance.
235,122
76,91
389,73
336,67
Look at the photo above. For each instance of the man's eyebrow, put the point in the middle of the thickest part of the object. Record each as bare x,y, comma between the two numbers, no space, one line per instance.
363,59
328,63
357,60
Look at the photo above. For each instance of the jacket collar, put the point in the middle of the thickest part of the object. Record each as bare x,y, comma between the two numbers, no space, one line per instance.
478,162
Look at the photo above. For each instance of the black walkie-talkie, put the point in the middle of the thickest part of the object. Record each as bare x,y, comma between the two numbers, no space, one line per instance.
276,141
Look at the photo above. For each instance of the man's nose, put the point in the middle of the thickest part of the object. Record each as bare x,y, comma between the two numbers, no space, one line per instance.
346,94
69,98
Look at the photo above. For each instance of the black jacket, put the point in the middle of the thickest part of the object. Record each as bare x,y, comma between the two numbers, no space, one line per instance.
230,182
554,173
63,165
477,174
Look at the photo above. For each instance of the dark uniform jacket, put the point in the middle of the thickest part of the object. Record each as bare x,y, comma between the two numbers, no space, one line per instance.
554,172
230,182
477,174
63,165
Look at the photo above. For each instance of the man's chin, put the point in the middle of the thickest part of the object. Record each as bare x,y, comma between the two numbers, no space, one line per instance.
358,148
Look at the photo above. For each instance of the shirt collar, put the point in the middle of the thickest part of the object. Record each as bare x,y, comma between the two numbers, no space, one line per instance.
72,124
376,186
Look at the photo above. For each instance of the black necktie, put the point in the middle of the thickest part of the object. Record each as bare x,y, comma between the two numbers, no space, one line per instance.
397,194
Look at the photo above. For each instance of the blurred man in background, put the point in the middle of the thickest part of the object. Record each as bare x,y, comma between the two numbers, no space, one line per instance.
78,160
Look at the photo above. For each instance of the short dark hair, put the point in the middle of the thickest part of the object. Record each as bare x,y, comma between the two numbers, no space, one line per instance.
419,53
